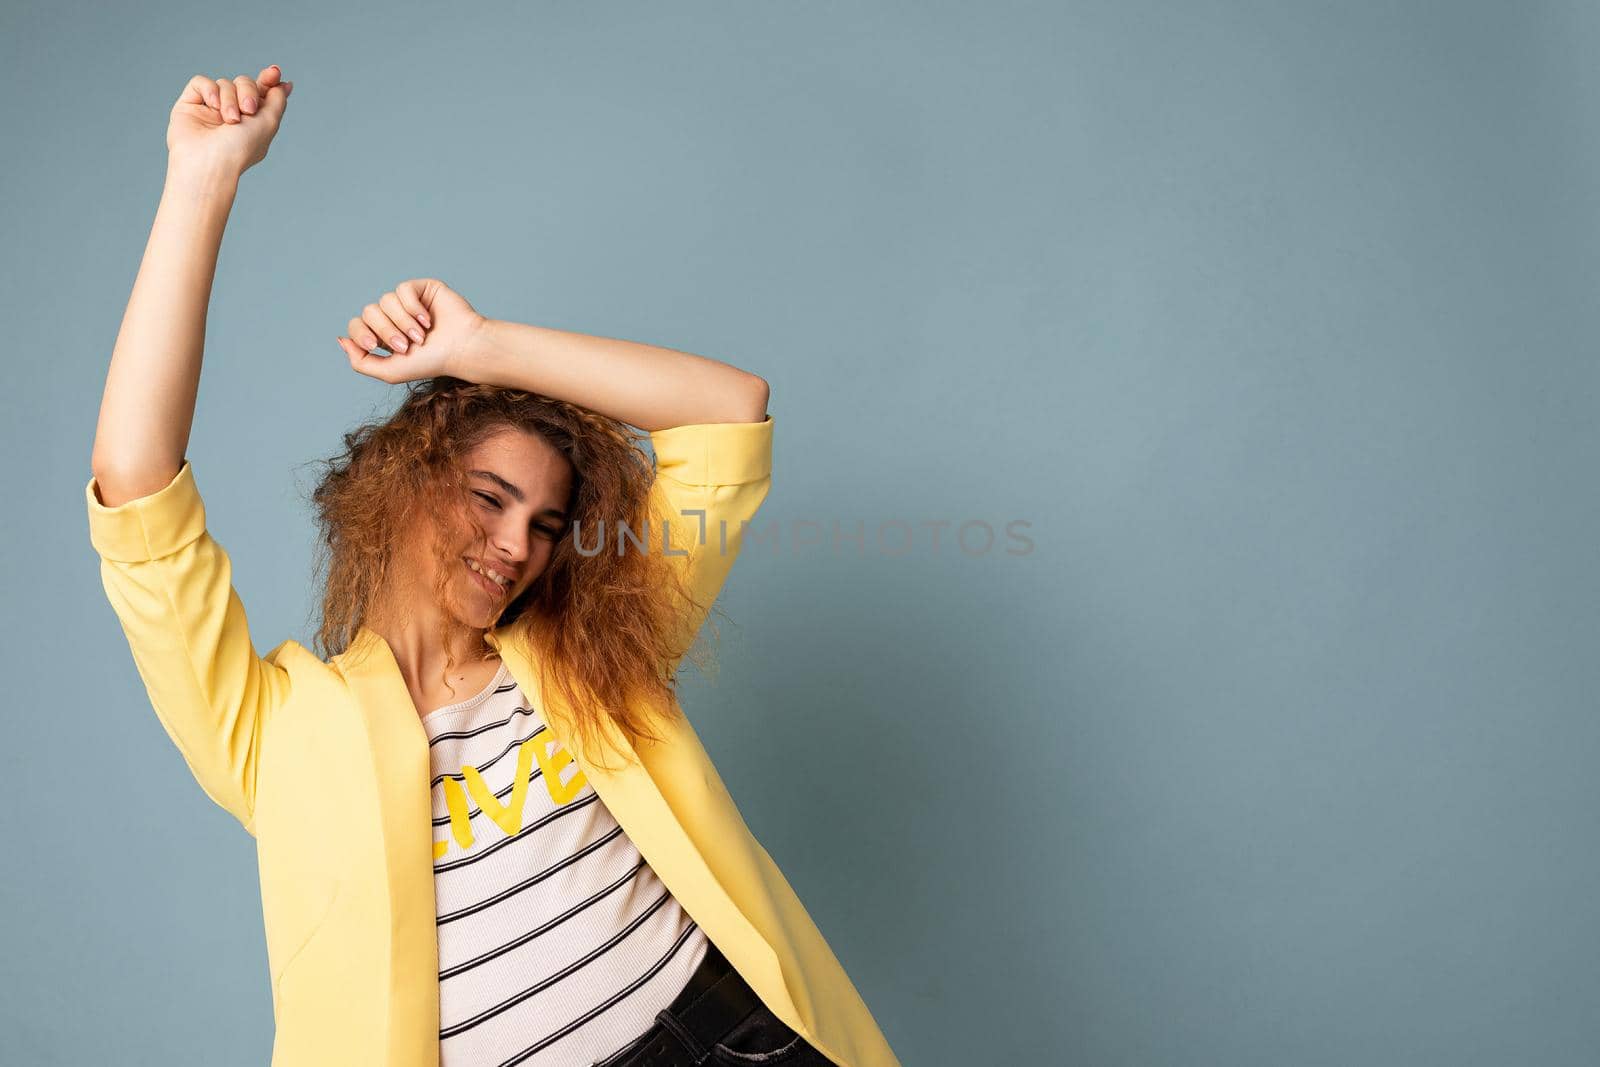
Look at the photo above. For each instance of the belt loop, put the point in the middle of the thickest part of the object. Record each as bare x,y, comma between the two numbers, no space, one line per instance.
690,1043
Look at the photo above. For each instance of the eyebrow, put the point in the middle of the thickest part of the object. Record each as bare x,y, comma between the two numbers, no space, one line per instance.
515,493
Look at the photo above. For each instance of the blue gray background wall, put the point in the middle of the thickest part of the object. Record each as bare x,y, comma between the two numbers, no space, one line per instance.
1274,320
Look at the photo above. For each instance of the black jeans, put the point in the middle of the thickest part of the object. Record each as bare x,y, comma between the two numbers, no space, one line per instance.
759,1038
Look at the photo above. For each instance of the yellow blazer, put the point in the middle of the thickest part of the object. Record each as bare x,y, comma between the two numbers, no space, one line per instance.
326,765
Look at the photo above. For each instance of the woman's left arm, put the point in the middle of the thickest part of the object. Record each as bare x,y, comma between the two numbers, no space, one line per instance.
707,420
708,424
643,385
646,386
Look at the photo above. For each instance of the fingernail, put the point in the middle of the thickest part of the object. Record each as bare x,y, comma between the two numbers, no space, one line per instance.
416,335
397,343
422,317
249,107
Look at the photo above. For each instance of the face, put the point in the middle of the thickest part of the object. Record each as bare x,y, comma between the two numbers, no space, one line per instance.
518,485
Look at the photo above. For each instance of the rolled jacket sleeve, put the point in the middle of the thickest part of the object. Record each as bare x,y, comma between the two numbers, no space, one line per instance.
711,479
170,584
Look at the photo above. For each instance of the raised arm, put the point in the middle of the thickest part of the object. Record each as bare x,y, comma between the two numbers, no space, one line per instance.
708,426
216,129
644,385
167,579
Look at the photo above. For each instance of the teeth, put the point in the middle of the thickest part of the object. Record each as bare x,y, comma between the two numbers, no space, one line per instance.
491,575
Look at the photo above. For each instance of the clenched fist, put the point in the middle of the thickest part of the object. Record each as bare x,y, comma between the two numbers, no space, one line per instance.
429,328
227,123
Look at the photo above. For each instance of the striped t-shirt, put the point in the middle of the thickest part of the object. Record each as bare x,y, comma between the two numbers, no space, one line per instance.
557,942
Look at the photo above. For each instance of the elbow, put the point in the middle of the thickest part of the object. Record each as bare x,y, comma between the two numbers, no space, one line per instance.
116,484
754,403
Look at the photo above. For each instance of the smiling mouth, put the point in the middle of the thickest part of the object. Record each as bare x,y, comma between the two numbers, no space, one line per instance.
489,585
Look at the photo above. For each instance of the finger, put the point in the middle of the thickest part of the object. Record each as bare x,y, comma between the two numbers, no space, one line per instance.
273,101
354,353
272,78
363,362
401,316
379,367
362,335
245,87
200,90
410,294
375,317
230,100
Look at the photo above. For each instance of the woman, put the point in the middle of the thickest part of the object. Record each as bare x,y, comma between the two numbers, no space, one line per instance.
487,834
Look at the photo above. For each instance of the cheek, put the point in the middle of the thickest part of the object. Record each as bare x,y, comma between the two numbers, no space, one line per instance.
538,560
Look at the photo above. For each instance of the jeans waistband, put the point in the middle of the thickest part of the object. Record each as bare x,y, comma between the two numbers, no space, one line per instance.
713,1000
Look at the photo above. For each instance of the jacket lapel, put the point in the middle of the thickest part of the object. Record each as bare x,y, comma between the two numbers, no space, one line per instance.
400,779
638,802
400,776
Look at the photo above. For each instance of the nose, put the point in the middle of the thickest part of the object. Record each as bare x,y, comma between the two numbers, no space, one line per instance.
512,545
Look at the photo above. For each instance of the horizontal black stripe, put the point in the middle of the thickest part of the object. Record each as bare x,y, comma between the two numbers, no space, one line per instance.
499,794
458,735
520,835
606,1005
509,748
495,953
606,946
532,880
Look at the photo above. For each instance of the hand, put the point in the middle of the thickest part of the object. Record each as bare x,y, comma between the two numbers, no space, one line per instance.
429,327
228,124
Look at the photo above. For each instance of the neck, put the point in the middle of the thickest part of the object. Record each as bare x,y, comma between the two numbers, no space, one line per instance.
414,641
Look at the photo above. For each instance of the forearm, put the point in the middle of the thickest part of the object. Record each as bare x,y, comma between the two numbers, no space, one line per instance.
147,409
643,385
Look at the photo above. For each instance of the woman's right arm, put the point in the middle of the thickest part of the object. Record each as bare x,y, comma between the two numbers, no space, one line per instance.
147,408
168,581
148,404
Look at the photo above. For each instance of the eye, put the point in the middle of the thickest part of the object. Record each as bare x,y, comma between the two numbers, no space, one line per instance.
550,532
486,496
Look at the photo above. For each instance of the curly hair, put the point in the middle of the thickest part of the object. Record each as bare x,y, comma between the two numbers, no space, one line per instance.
606,625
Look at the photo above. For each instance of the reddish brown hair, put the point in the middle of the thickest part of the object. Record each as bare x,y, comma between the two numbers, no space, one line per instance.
605,626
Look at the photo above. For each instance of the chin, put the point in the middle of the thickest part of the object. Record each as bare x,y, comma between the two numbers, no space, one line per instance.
469,612
476,613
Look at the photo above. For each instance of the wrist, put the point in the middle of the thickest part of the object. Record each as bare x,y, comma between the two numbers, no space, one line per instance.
202,176
477,351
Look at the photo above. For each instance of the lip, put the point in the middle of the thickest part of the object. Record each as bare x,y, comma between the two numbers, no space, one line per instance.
487,585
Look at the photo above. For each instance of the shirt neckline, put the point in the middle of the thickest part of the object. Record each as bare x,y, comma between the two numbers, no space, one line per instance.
500,676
